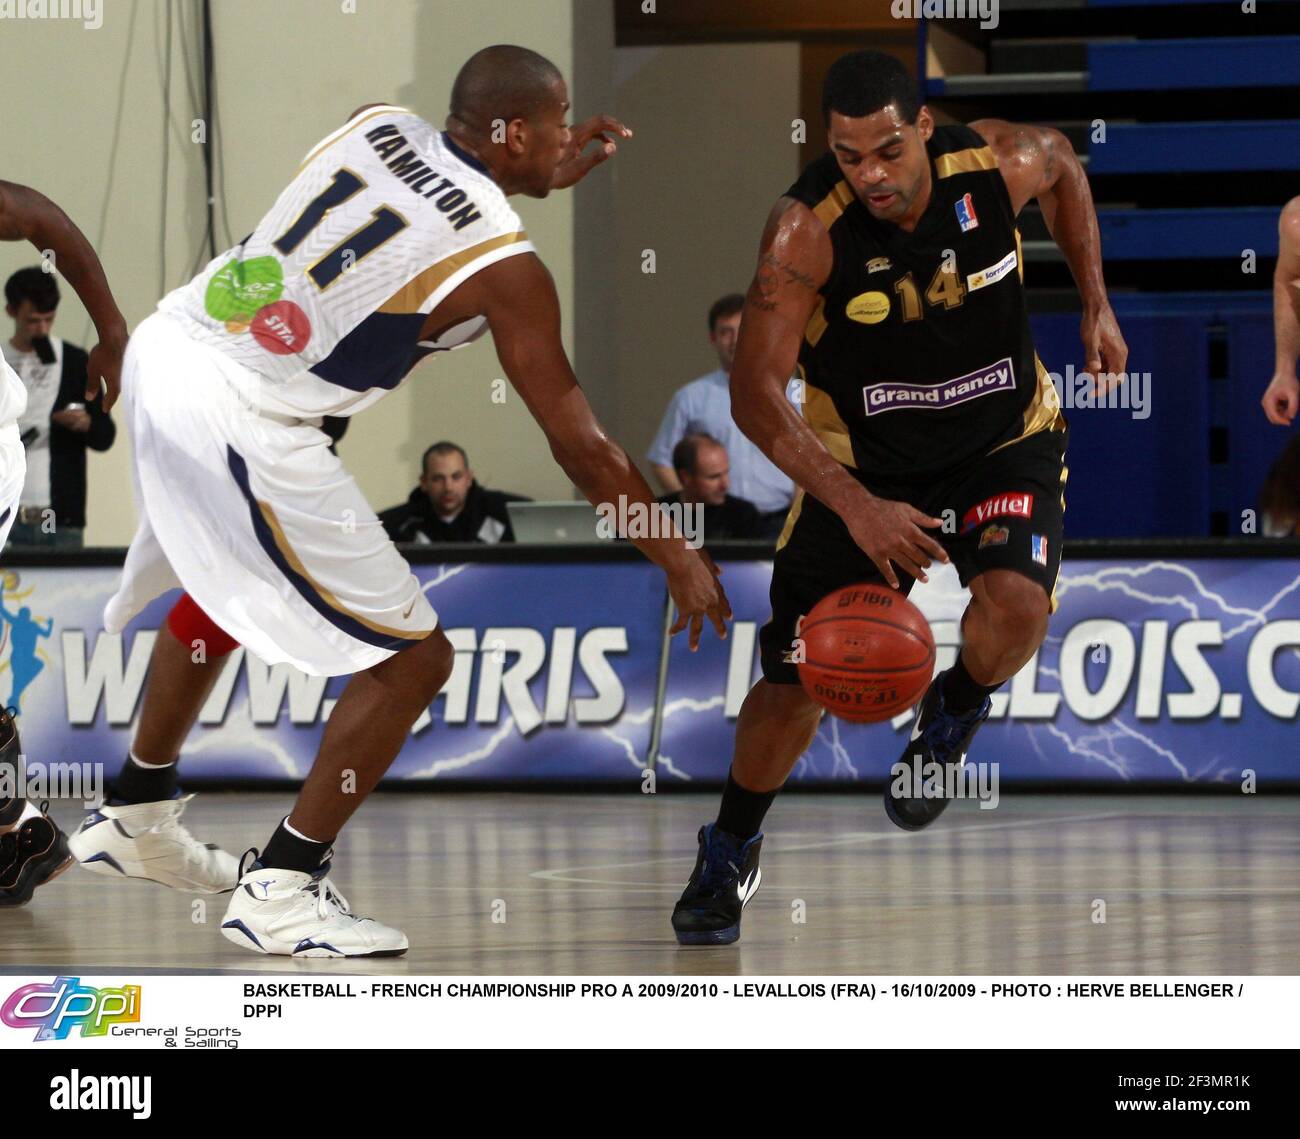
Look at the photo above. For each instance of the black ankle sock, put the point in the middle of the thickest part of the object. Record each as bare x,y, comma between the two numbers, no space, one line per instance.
287,851
742,811
960,692
136,784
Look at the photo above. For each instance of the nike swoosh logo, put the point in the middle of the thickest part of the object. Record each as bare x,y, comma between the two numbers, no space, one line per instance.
408,611
749,887
916,728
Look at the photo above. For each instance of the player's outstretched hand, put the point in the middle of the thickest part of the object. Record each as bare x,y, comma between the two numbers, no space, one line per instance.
891,534
1106,354
1282,399
575,165
105,360
697,593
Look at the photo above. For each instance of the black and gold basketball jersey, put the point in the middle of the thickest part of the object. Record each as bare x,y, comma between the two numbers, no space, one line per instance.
918,357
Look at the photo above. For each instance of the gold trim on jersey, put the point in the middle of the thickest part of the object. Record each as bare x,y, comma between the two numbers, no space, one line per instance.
1043,412
965,161
1020,257
835,203
816,323
347,129
268,514
791,519
820,414
419,288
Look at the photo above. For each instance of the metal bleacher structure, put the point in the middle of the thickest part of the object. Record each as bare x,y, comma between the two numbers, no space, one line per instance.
1184,115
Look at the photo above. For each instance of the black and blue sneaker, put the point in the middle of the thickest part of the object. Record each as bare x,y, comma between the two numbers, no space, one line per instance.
33,853
916,787
725,878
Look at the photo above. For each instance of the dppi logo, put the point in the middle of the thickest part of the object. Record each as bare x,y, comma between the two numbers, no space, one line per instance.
55,1009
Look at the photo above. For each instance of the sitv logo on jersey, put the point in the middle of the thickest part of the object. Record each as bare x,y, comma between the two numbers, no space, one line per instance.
999,377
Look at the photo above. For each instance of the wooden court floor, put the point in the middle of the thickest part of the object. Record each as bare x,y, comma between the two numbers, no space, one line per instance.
550,884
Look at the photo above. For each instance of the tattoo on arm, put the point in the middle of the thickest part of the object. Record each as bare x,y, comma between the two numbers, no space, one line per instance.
766,282
787,271
772,274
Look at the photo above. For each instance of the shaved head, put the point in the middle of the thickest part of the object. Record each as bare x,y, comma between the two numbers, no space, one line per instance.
503,82
509,109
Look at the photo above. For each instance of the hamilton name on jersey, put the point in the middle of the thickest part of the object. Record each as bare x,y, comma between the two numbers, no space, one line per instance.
324,304
401,159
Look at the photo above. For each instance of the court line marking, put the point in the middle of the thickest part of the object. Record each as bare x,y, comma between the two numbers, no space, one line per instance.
560,874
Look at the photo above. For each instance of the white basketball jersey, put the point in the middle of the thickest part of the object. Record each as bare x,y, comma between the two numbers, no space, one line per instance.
13,396
326,297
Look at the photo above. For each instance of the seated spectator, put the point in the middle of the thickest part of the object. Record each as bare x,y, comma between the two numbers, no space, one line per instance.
700,463
59,424
1279,501
449,506
704,405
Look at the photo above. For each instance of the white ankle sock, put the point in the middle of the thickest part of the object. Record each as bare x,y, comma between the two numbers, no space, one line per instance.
297,834
149,766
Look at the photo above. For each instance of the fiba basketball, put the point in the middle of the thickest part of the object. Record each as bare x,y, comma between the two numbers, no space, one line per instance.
868,653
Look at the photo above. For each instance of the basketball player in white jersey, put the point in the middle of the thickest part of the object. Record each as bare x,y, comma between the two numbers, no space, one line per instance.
32,849
394,240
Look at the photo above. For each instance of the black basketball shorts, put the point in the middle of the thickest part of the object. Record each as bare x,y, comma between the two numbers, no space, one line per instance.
1006,512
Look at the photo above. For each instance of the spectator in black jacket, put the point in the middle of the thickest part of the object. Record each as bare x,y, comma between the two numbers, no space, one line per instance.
59,423
704,471
449,506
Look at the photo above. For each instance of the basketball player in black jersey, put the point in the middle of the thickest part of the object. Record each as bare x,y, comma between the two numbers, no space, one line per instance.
33,850
890,275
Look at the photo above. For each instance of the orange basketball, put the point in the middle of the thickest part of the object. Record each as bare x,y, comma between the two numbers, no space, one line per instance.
867,653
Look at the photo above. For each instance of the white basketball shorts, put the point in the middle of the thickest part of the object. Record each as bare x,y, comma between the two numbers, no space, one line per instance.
254,517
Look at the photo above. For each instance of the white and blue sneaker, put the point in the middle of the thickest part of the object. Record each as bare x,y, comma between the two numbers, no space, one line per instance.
295,914
147,840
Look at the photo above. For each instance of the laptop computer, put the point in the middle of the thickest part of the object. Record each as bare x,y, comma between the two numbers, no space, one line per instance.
554,523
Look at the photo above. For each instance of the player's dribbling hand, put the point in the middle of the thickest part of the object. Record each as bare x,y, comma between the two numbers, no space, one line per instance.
1282,399
697,593
1106,354
106,360
891,532
575,165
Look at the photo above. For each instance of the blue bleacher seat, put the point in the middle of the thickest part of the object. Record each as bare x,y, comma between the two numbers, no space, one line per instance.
1138,477
1253,443
1152,148
1150,235
1164,65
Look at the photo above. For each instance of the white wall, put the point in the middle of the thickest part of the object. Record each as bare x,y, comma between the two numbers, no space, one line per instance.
84,116
712,153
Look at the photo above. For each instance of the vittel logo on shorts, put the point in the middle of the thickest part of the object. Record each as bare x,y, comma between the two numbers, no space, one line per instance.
999,506
999,377
55,1008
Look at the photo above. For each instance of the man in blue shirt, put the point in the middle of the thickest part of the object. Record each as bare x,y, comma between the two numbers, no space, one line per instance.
704,406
